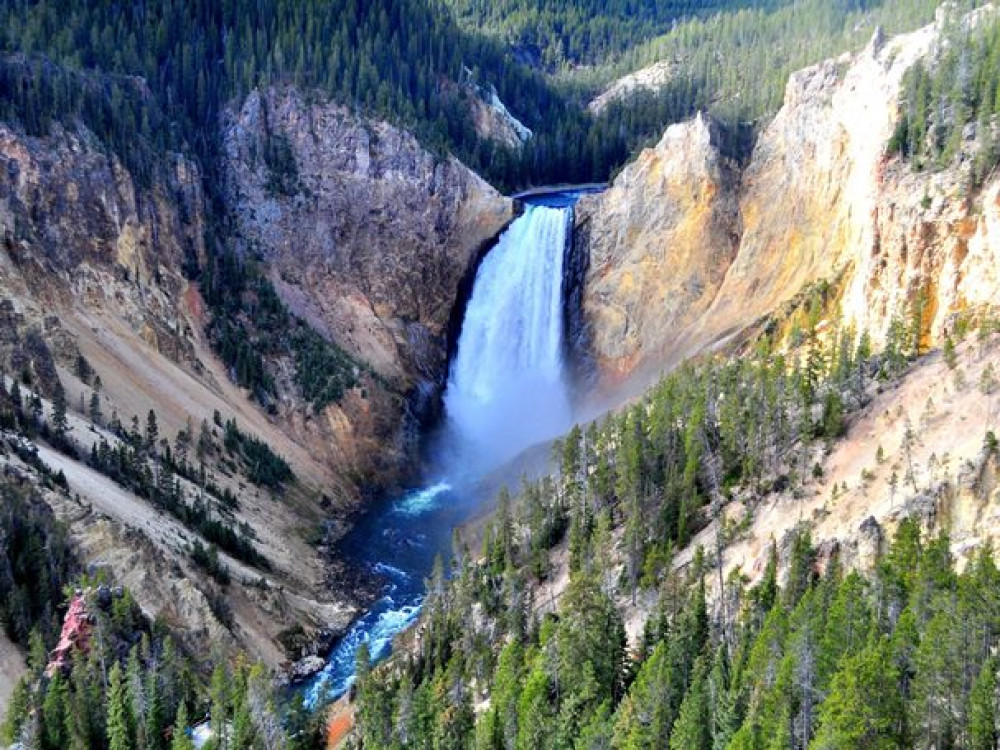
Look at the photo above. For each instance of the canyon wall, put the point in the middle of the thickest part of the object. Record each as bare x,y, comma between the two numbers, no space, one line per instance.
373,235
368,237
688,257
365,235
659,240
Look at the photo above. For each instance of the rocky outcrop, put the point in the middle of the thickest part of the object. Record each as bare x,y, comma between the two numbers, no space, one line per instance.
494,122
645,80
368,237
810,191
818,200
372,238
659,242
931,238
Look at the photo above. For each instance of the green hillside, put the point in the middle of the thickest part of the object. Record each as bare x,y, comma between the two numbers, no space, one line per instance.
390,58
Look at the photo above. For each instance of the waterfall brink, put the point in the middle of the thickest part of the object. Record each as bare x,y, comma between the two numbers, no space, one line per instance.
506,388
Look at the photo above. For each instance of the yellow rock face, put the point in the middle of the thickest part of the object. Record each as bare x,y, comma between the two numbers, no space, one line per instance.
659,240
686,253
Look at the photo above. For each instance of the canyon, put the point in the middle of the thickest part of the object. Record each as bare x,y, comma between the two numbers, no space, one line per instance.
371,247
690,253
373,241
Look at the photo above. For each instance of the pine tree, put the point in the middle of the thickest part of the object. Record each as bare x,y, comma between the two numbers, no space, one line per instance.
847,624
765,594
138,703
692,730
983,733
119,734
88,711
16,712
54,712
83,369
863,708
950,357
15,395
220,694
152,437
800,568
503,542
95,409
60,424
243,730
506,689
155,721
644,718
724,711
535,710
205,442
38,655
180,739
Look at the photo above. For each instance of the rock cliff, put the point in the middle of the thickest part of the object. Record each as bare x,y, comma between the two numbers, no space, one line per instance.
690,253
90,270
659,242
373,237
78,230
649,79
368,237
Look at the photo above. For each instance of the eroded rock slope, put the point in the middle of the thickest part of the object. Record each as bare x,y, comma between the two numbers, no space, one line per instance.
691,252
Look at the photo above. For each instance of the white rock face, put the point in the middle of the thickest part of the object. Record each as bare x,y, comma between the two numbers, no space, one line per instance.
659,242
493,121
650,78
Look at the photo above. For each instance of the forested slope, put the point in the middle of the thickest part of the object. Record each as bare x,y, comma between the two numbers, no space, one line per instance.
566,33
395,58
690,580
789,542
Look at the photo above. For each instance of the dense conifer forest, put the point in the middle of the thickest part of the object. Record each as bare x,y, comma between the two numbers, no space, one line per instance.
131,687
903,658
572,32
390,58
953,103
900,658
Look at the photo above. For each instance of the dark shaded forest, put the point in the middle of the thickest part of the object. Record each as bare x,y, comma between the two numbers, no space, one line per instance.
558,35
392,58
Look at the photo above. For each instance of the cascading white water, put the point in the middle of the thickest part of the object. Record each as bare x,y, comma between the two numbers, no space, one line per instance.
506,391
506,388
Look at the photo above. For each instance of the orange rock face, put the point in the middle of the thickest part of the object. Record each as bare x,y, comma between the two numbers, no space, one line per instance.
686,251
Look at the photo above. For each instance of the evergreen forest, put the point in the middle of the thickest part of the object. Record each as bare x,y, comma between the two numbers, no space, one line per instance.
817,656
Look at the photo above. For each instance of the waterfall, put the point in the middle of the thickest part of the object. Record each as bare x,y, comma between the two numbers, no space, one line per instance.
506,391
506,388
